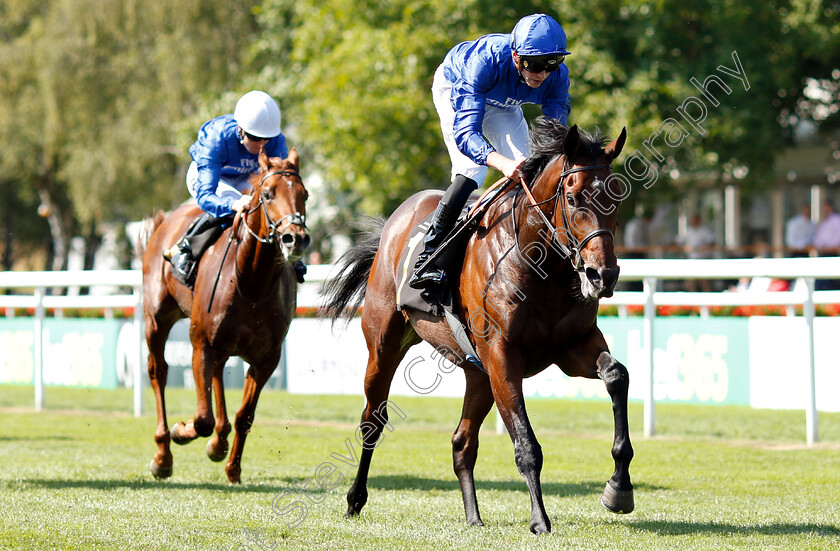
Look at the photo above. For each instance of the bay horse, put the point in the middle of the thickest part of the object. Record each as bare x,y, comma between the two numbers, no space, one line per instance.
243,303
529,285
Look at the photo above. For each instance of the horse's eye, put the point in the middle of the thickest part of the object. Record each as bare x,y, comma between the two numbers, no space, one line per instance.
571,201
266,195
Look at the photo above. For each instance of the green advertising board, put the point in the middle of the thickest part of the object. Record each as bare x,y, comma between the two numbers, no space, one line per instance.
697,360
77,352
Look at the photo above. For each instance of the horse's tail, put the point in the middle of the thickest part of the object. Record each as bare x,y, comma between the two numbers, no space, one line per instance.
147,228
343,293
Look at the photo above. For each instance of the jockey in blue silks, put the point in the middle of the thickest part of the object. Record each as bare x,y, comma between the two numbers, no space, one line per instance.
225,155
478,91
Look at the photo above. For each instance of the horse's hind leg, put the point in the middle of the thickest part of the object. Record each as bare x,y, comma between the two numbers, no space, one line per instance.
255,379
618,494
217,446
478,399
387,344
157,331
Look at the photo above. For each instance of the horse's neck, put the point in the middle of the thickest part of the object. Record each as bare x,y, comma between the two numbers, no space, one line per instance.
540,244
255,260
531,270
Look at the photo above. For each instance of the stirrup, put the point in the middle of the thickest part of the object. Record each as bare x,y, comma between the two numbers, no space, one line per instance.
429,277
183,267
170,253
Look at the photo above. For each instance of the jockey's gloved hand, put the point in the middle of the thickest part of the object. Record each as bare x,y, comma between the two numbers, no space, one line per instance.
241,203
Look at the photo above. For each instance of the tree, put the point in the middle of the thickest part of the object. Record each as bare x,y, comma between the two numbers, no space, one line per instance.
358,77
357,83
101,93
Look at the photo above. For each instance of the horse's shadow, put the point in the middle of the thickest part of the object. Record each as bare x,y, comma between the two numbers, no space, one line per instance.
408,482
109,484
665,528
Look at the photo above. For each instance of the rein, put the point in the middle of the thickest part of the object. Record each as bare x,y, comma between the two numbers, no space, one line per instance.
575,246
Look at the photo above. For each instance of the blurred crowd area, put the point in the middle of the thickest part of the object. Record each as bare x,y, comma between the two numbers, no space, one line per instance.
793,227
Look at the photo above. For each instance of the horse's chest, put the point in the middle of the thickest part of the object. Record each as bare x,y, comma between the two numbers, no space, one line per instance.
546,325
256,329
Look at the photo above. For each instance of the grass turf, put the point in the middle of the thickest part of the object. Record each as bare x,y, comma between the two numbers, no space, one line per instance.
75,477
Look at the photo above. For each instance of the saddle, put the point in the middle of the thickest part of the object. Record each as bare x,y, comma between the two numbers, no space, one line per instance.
439,300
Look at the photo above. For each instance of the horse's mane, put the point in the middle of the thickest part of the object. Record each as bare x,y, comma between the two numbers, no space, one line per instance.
546,141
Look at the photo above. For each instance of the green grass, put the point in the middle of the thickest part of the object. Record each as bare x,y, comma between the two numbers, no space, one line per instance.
75,477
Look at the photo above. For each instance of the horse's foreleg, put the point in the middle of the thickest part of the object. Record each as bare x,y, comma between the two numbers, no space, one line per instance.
217,446
255,379
478,399
156,334
526,449
205,363
618,494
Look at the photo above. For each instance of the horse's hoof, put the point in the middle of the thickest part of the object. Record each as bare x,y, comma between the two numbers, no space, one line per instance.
160,472
217,455
541,528
234,473
617,501
173,434
351,513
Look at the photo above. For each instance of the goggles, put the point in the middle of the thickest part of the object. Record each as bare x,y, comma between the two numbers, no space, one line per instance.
255,138
540,63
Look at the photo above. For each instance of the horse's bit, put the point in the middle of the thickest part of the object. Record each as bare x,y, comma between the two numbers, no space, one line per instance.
575,246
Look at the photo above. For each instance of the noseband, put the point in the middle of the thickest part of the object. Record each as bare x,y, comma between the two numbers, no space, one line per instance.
276,233
575,246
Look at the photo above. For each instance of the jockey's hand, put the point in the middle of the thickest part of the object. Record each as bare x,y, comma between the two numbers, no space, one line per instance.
511,168
241,203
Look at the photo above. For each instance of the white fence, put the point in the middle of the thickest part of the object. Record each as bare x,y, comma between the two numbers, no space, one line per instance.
40,301
804,270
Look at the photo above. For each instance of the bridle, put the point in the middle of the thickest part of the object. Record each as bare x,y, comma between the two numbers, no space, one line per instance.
276,236
276,233
573,246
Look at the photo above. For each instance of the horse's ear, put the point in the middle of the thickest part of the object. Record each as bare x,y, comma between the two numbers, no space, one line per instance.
571,143
614,148
294,159
265,161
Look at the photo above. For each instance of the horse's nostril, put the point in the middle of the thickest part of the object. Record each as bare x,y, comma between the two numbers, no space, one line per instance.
306,241
593,275
288,239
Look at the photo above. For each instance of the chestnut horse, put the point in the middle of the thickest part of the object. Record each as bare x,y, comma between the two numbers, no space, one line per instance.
529,286
243,303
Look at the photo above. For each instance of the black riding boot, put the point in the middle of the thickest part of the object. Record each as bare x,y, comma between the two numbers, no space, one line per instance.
185,254
442,223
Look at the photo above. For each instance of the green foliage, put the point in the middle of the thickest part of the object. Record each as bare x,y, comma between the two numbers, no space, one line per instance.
103,97
359,79
96,91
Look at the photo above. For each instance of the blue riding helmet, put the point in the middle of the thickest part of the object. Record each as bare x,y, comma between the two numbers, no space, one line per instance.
538,34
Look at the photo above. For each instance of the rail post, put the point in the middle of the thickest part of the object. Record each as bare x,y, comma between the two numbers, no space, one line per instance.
808,312
649,288
138,366
38,345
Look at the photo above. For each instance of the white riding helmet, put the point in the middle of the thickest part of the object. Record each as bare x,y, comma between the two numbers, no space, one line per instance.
258,114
